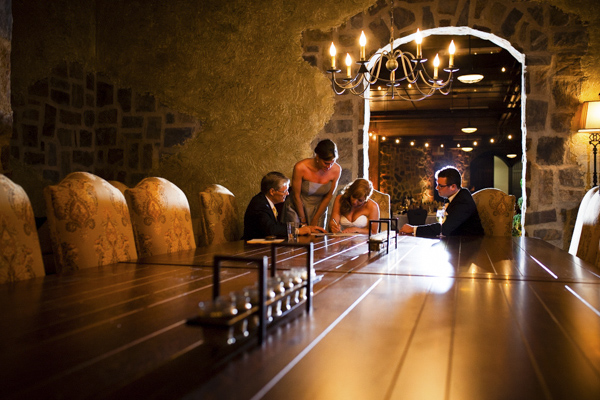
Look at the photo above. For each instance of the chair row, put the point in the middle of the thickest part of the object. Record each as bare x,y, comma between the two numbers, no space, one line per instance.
93,222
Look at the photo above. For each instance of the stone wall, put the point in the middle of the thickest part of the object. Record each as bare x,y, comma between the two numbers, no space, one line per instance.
5,107
77,120
408,172
554,44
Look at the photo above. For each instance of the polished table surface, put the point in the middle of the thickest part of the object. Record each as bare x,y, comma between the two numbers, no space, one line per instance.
461,318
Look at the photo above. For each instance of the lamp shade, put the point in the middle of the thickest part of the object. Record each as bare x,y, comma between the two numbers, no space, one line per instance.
590,117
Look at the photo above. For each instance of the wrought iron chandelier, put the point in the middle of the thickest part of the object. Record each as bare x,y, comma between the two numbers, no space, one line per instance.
403,67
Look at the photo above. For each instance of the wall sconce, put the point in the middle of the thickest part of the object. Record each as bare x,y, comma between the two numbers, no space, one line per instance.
590,123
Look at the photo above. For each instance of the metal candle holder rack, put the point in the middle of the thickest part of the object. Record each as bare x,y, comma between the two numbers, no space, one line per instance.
229,328
383,238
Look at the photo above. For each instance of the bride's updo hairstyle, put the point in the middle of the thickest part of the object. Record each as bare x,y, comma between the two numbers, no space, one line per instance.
358,189
326,150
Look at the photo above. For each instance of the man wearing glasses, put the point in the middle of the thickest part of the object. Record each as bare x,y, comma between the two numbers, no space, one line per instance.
462,218
262,215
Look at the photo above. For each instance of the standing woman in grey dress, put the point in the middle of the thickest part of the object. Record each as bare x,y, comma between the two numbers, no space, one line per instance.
314,181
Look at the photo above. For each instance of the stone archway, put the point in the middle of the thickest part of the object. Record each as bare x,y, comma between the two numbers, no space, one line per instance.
552,43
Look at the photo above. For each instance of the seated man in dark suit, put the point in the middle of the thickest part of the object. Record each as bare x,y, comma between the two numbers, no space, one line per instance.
462,216
261,217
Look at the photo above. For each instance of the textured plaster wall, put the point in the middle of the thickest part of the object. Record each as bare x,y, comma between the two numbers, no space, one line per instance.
5,108
235,65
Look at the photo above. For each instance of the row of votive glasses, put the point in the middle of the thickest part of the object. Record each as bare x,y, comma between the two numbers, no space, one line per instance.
288,285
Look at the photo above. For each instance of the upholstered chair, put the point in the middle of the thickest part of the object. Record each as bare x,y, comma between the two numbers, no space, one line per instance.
585,241
20,254
496,210
383,200
89,223
219,221
161,218
119,185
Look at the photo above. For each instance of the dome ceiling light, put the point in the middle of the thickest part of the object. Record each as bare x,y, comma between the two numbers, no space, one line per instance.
470,77
469,128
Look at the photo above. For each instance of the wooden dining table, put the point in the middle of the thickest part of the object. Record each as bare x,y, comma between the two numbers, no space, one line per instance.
457,318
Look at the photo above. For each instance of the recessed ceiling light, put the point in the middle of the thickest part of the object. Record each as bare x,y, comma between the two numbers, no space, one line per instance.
412,143
397,141
383,138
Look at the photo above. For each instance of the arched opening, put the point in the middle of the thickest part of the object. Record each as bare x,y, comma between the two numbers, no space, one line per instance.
418,136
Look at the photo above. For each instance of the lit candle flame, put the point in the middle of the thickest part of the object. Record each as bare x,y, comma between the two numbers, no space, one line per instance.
349,64
363,43
451,51
332,52
436,64
419,40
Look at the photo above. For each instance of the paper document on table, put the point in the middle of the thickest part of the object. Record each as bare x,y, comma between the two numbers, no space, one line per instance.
264,241
338,234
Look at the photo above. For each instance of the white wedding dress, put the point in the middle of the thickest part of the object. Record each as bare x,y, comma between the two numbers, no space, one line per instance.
360,222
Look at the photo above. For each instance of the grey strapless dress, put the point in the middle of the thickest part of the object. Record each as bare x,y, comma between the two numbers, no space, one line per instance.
311,194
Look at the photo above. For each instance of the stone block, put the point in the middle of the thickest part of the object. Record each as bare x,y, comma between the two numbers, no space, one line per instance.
176,136
463,18
509,25
51,175
89,100
60,84
133,155
61,70
537,13
538,41
90,81
77,96
316,35
428,19
558,17
145,103
133,135
76,70
310,59
344,107
60,97
30,135
89,118
52,155
106,137
115,156
576,38
571,196
85,158
343,125
356,22
312,49
380,32
538,60
70,118
345,150
154,128
104,94
378,6
566,94
34,158
170,118
132,122
15,152
108,117
65,136
447,7
85,138
480,6
540,217
571,177
404,18
561,122
40,88
124,99
537,111
547,234
100,157
550,150
147,155
31,114
568,64
345,177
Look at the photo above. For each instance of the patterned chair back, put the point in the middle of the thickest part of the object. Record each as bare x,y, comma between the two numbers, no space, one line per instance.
89,223
383,200
496,210
20,254
218,216
160,214
119,185
585,241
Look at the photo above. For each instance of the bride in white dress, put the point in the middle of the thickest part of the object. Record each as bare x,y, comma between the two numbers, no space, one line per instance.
353,209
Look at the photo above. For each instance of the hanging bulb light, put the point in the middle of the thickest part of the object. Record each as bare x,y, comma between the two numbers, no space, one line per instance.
471,77
469,128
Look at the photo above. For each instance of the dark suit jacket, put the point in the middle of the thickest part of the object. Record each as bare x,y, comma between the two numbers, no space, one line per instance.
259,220
462,219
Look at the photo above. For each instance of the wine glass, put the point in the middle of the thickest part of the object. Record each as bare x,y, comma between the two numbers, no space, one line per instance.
440,216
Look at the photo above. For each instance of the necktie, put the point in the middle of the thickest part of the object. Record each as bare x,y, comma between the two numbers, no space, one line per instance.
275,212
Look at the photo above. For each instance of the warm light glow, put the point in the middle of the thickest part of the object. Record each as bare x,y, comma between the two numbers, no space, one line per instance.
451,51
470,78
378,87
590,117
419,40
409,85
426,144
511,155
467,149
370,134
332,53
348,65
492,140
469,129
383,138
503,69
475,143
458,145
510,136
397,141
442,145
436,64
363,42
412,143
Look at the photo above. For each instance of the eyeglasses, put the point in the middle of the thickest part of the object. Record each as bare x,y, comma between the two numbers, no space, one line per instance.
286,191
442,186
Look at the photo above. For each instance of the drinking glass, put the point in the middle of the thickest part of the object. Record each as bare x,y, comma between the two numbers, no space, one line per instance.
292,231
440,216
